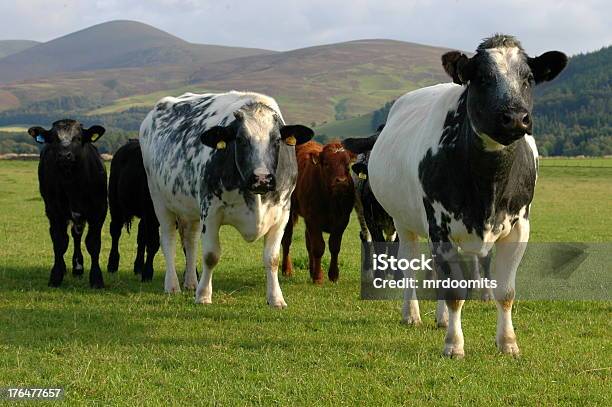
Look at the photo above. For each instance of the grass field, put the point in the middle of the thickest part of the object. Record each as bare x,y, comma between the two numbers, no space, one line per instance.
131,344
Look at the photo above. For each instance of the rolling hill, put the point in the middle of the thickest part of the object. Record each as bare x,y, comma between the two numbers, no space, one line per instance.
115,44
573,113
9,47
340,89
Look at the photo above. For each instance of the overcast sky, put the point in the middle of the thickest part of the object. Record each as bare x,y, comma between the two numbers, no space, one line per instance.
571,26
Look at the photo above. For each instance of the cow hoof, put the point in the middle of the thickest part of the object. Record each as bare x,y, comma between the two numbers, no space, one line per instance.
96,284
279,303
190,285
287,273
113,265
205,301
442,324
172,289
146,278
454,352
78,270
414,321
509,349
54,283
333,278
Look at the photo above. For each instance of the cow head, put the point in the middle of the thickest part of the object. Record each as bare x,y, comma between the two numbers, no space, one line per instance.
66,140
253,140
335,163
500,78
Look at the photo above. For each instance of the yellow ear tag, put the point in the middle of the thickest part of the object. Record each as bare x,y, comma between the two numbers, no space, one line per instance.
221,145
363,175
95,137
291,141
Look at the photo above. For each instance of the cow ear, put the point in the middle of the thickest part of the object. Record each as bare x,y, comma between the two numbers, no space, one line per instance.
218,137
93,133
547,66
296,134
40,135
361,169
458,66
359,145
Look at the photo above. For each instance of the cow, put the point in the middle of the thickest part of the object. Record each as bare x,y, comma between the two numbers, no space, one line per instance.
129,197
457,163
220,159
324,196
375,223
72,183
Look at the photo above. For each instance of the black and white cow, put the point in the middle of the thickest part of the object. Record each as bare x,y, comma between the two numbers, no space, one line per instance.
375,223
129,197
220,159
456,163
72,180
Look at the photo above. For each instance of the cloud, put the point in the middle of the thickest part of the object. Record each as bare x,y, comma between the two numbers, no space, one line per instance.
570,26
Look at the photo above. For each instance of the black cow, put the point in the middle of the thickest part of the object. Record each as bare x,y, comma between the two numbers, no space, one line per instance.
376,224
129,197
72,180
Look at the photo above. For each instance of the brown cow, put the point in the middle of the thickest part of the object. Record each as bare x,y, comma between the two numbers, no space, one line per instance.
324,196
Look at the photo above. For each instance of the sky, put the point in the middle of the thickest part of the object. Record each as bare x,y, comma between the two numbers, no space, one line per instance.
541,25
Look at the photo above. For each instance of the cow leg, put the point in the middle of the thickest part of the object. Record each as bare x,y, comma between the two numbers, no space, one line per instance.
335,242
486,293
59,237
77,255
115,231
152,241
315,252
307,240
509,252
140,247
272,243
167,231
189,236
448,265
364,233
408,249
211,253
286,242
93,242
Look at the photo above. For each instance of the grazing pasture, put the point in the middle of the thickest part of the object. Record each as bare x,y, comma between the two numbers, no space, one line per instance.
131,343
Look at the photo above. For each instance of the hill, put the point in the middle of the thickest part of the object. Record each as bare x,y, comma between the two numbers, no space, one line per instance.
315,85
115,44
8,47
573,113
330,82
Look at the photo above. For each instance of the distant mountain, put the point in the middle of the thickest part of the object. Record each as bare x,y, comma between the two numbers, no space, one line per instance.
8,47
314,85
115,44
330,82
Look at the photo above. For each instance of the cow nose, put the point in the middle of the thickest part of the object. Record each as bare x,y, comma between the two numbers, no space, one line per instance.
66,156
262,183
341,180
517,121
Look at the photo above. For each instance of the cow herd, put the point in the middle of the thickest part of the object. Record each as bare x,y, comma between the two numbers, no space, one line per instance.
455,163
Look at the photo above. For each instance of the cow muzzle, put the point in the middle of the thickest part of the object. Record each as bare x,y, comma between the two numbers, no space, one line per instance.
262,183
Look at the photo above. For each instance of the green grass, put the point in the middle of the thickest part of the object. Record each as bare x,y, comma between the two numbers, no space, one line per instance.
131,344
